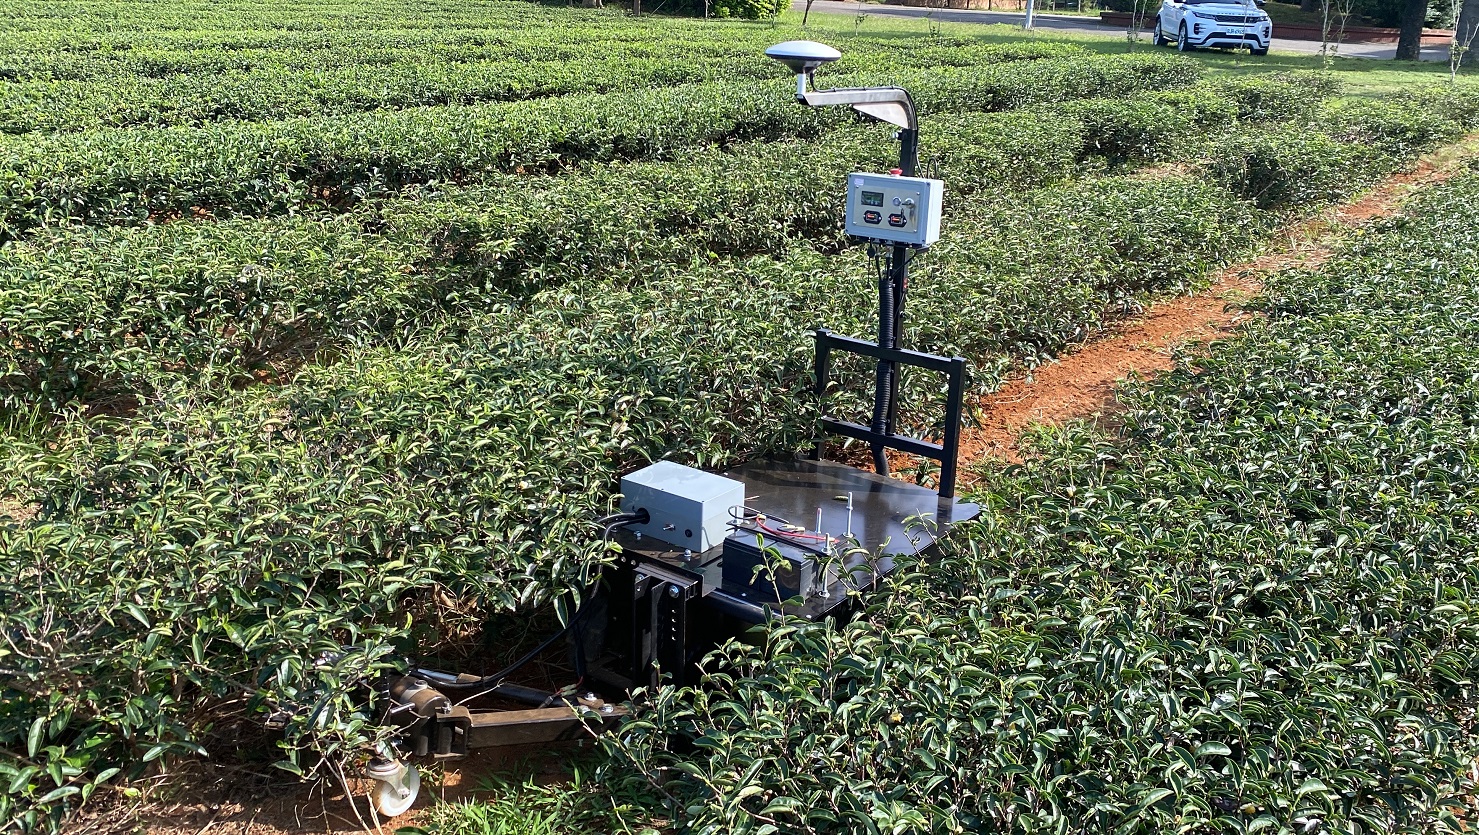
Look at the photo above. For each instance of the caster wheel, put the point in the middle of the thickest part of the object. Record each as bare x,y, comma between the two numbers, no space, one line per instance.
396,788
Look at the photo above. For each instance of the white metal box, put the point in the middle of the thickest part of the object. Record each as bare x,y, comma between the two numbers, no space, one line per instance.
689,508
901,210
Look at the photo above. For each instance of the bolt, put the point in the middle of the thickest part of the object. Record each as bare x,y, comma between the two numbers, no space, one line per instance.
590,697
674,591
687,554
608,709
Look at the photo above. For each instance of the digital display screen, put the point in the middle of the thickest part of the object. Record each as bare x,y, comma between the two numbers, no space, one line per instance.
872,198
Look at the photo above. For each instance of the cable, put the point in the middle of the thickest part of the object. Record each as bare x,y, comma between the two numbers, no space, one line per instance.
750,514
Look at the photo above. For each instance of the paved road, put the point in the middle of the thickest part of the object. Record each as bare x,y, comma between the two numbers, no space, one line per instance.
1071,23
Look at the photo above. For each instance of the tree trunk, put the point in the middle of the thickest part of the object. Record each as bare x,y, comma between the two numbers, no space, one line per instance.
1465,30
1410,38
806,14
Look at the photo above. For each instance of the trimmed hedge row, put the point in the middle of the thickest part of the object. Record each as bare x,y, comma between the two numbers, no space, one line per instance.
131,176
117,314
1255,611
280,92
206,552
114,314
1356,143
110,315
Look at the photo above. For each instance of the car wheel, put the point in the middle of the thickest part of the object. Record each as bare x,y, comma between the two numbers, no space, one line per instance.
1157,36
1183,40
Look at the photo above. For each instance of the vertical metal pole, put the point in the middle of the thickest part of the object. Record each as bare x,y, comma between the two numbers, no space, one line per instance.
885,370
892,287
909,151
823,375
899,278
951,442
1027,23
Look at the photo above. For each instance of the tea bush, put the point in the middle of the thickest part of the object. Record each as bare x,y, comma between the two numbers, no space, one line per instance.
110,315
277,87
1279,97
1255,611
107,315
1354,143
131,176
748,9
263,549
511,270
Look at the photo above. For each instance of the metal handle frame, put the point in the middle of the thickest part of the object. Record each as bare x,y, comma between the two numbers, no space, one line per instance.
947,452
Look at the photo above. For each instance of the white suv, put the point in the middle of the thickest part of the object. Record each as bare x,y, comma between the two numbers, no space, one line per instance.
1234,24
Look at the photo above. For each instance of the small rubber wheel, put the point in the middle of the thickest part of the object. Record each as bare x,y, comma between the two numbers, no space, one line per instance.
389,802
1183,40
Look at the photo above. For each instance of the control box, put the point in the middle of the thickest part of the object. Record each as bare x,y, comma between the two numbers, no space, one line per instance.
900,210
688,508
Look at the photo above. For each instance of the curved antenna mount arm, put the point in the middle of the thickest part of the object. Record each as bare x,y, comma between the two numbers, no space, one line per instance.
886,104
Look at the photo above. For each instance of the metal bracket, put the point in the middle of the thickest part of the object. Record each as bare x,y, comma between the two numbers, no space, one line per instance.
433,726
652,624
886,104
948,452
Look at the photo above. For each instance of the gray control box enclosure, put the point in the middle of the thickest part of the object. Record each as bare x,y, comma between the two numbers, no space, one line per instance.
901,210
689,508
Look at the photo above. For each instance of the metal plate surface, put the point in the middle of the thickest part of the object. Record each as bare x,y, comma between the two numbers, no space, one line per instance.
889,518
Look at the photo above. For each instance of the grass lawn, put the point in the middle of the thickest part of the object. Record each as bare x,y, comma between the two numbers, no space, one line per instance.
1358,76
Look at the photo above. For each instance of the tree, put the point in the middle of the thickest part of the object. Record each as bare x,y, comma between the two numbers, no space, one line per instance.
1334,15
1464,31
1410,37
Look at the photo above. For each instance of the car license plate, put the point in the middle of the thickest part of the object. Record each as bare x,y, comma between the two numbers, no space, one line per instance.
1235,30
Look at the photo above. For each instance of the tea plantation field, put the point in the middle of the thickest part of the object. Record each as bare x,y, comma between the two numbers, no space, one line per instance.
325,324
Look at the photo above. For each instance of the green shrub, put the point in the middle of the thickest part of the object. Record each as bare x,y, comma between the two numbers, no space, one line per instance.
1253,611
1207,106
1279,97
1398,128
1293,168
1138,128
1352,143
110,316
134,176
748,9
1461,104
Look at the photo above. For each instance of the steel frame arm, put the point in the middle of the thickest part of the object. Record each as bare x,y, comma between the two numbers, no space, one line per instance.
886,104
